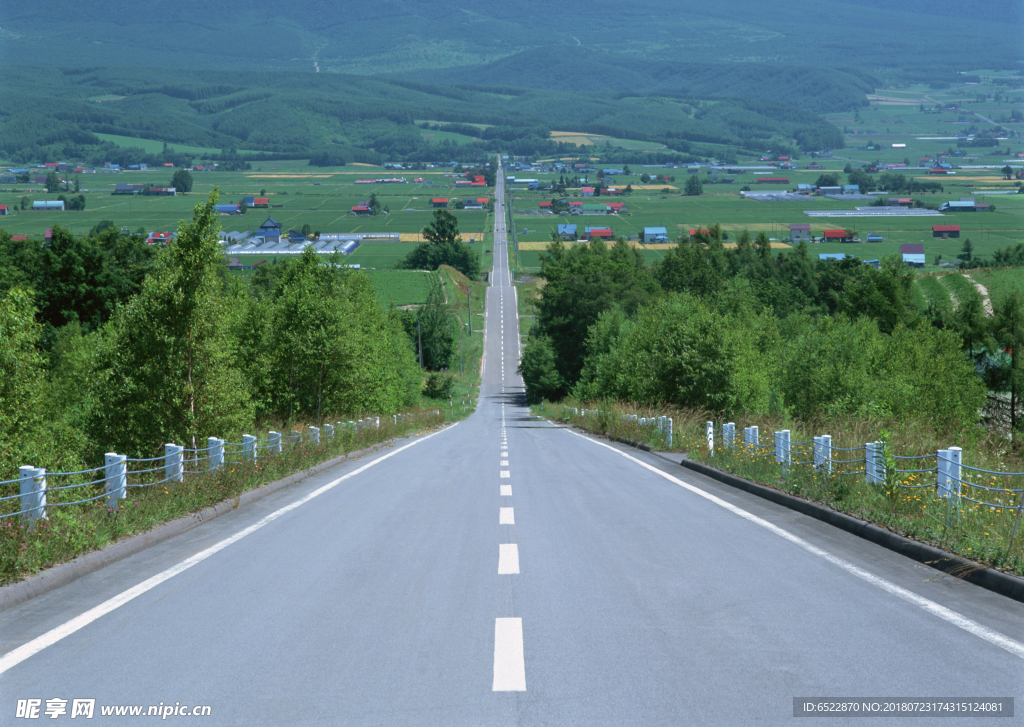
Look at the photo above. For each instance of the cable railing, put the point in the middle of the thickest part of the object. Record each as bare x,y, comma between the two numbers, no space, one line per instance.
954,481
40,490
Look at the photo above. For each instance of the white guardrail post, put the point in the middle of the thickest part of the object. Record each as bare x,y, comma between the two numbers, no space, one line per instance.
329,431
314,435
872,455
33,493
116,471
214,452
248,448
711,438
274,443
949,473
826,451
668,437
174,462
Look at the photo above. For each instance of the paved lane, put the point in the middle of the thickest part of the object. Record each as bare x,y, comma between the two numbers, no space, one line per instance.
508,572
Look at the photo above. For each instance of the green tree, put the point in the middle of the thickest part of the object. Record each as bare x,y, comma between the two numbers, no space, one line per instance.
540,372
443,247
52,182
436,330
966,251
830,179
862,179
1007,171
182,181
1008,330
167,370
694,187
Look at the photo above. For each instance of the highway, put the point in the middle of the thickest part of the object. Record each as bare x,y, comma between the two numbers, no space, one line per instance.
506,571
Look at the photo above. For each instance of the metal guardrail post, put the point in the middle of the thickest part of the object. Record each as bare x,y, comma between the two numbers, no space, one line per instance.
248,448
275,442
215,453
314,435
873,473
174,462
116,471
826,451
711,438
668,437
329,431
33,493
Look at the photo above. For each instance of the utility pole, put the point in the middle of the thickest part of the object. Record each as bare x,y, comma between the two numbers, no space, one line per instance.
419,341
469,302
461,371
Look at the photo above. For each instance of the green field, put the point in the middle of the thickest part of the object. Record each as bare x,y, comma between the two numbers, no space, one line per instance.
401,287
299,195
155,147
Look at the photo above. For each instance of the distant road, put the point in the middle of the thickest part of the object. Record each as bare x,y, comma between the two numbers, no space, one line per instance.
506,571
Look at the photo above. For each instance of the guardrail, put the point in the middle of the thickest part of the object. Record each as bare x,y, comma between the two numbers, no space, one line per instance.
38,489
954,481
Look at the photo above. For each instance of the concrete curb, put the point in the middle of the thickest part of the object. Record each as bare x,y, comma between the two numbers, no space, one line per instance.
980,575
64,573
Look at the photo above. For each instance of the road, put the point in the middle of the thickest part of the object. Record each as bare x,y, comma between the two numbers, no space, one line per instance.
505,571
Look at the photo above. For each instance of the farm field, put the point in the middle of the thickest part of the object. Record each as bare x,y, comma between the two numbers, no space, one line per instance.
299,195
401,287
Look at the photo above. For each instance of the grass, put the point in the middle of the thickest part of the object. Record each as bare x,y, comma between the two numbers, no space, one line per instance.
962,288
73,530
935,293
905,503
999,282
400,287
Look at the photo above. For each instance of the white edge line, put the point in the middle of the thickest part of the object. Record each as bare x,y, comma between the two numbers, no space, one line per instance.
51,637
946,614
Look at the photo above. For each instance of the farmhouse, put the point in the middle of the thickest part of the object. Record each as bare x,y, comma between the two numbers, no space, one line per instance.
945,231
773,180
261,202
545,205
618,208
48,206
798,232
595,209
567,232
851,189
913,254
159,238
439,202
875,237
838,236
129,188
604,233
587,191
270,230
248,202
474,204
901,202
3,209
655,234
576,208
226,209
361,211
162,192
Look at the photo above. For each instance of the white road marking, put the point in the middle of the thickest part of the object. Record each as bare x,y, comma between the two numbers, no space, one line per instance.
51,637
505,474
506,490
504,463
509,664
506,516
508,559
946,614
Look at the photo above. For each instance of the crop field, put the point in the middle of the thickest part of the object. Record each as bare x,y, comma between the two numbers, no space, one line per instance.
401,287
299,195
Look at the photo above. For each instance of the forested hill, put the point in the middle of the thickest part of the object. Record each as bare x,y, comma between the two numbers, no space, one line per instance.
50,112
405,35
572,68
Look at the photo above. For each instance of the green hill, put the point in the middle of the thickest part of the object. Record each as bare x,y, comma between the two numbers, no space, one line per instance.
404,35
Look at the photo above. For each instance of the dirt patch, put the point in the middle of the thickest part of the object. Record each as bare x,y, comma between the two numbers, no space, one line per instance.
986,301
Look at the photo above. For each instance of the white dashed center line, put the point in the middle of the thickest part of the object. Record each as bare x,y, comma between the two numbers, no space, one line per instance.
506,516
509,665
506,490
508,559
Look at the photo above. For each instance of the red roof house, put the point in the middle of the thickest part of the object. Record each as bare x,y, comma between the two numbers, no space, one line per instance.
3,209
945,230
605,233
261,202
545,204
439,202
838,236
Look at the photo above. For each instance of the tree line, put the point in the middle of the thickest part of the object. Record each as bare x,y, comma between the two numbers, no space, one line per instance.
107,344
742,330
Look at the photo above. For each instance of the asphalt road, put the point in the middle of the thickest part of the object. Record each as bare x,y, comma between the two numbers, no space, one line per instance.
505,571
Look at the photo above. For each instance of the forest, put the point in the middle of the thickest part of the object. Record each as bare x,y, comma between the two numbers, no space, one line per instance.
49,113
740,331
107,344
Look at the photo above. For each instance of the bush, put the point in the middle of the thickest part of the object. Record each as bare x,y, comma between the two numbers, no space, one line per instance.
438,386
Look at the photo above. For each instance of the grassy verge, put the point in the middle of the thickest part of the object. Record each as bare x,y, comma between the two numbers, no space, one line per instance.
77,529
463,294
906,502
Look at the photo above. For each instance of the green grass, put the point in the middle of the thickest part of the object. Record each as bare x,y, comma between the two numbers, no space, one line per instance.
975,532
934,292
962,288
153,146
400,287
999,282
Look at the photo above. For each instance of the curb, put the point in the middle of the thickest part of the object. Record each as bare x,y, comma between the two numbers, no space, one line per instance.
980,575
60,575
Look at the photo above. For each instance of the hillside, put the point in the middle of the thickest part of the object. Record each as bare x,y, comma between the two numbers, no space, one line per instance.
406,35
343,118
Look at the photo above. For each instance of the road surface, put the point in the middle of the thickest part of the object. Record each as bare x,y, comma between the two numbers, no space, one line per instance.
506,571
